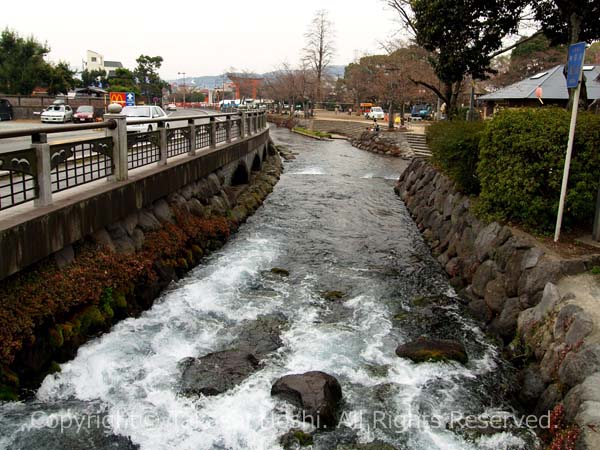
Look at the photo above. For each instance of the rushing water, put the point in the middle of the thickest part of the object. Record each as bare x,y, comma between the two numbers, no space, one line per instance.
334,222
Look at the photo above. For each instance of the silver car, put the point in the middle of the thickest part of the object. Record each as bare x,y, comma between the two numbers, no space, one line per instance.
138,113
57,113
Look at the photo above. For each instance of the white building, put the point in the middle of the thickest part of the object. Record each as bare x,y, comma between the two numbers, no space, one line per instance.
95,61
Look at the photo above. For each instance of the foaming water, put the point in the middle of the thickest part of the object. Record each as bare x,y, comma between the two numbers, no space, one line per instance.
335,224
309,171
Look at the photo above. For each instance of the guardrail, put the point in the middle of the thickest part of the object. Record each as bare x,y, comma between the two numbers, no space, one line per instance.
36,173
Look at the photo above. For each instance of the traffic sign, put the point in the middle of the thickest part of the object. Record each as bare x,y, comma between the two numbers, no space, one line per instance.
575,64
118,97
130,99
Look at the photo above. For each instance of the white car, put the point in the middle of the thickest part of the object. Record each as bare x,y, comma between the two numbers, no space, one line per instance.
138,113
375,113
171,107
57,113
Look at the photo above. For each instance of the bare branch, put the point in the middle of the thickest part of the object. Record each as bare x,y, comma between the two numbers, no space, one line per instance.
404,10
516,44
431,87
319,50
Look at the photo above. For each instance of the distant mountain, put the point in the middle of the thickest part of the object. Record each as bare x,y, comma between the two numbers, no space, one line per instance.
205,82
213,81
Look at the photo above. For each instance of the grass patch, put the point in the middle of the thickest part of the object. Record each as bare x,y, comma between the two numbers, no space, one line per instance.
319,134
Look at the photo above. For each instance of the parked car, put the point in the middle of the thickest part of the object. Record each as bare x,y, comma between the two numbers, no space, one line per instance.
138,113
376,112
6,110
420,112
57,113
85,113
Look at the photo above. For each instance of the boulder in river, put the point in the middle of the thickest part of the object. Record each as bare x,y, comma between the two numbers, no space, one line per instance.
296,438
425,349
280,271
216,372
333,295
261,336
316,394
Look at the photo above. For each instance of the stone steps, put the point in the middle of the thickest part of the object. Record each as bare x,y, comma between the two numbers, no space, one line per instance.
418,144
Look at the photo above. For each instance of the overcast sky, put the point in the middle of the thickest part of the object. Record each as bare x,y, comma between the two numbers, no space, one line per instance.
198,37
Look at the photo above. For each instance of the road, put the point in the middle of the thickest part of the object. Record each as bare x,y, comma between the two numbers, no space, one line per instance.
20,143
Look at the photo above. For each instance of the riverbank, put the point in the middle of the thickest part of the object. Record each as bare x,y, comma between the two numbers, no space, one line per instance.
384,143
524,294
53,308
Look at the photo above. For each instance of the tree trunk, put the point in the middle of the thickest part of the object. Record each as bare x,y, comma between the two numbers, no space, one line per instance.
391,116
450,99
319,74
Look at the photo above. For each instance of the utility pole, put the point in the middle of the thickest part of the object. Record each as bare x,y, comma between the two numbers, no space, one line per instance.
183,73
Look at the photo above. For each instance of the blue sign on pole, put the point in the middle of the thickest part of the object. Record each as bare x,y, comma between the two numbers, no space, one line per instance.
576,55
130,99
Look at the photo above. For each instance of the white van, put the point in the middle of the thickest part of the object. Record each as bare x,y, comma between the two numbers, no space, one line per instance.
376,113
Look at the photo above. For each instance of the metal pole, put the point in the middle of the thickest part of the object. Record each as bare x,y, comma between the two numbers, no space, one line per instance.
565,180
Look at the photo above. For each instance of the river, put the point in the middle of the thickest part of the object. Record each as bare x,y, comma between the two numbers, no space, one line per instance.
335,223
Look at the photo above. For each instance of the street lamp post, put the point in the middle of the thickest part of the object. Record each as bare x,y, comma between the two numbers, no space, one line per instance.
183,73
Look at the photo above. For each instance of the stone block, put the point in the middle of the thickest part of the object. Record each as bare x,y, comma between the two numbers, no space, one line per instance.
162,211
147,221
495,294
483,275
130,222
578,365
102,238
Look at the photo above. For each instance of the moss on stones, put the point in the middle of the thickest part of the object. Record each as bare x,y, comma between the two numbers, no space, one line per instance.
56,337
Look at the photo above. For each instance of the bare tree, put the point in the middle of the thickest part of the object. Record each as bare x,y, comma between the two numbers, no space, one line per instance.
319,50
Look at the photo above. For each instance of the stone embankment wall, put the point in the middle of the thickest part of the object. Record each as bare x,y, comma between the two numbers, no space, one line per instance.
159,243
391,144
348,128
510,283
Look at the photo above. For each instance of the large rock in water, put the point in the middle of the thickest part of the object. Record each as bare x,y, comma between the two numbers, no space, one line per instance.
316,394
425,349
216,372
261,336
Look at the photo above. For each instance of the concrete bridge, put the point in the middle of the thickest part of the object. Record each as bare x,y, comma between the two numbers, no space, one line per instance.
55,194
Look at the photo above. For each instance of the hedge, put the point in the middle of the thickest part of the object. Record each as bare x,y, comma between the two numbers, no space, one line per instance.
455,149
522,155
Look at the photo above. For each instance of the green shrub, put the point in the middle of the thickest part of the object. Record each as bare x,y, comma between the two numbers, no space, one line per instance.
455,149
522,155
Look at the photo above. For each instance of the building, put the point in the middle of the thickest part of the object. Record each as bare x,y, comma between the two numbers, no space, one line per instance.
246,85
95,61
111,67
553,86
